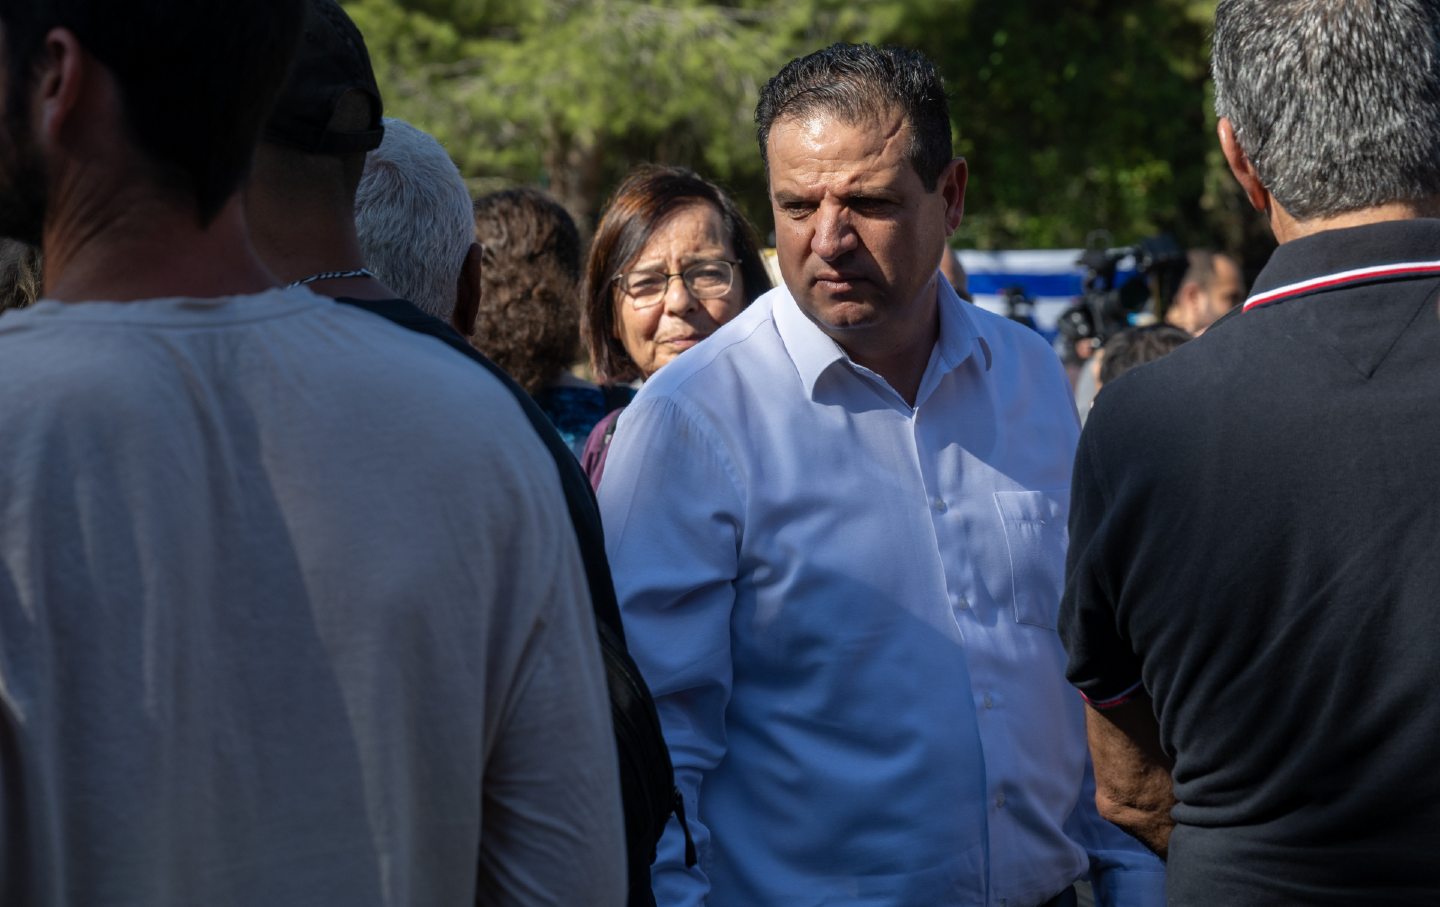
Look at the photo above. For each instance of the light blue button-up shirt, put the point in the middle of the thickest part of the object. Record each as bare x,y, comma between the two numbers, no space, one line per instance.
845,607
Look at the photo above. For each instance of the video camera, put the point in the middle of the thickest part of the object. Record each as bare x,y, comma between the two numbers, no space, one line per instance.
1104,308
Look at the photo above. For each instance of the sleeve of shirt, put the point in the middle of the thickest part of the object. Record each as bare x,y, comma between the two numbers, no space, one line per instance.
552,828
1102,664
1123,872
672,522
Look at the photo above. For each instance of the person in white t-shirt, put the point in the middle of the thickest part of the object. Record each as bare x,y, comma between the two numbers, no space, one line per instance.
276,627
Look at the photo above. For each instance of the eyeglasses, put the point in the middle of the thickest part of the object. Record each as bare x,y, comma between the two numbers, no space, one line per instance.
704,280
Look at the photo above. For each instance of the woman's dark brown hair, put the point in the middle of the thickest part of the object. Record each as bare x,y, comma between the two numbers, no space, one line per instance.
647,196
529,318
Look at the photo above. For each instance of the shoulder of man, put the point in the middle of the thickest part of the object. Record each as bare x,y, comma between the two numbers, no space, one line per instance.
731,351
579,498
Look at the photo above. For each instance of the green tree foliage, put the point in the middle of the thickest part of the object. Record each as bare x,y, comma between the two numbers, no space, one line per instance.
1074,116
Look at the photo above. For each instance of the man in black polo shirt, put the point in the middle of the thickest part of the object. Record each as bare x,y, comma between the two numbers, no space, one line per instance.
1253,598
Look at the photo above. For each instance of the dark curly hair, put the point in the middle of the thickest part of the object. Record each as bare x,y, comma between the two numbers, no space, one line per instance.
648,195
529,319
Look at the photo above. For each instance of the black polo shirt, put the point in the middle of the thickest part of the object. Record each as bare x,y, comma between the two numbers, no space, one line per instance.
1255,542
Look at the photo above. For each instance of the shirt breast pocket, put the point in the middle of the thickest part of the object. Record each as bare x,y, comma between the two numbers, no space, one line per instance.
1035,538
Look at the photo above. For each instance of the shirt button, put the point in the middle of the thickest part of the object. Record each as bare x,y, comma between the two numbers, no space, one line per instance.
989,703
939,505
962,603
1000,799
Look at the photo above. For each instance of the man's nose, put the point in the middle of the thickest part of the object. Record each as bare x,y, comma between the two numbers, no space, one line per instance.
834,235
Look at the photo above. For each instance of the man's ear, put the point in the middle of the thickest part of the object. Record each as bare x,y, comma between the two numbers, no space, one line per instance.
467,292
1241,167
1185,304
64,73
952,188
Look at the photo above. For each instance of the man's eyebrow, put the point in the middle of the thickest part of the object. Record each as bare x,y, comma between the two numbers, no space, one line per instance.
785,197
883,192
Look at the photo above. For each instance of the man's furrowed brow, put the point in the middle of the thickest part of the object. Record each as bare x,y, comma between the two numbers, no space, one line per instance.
788,197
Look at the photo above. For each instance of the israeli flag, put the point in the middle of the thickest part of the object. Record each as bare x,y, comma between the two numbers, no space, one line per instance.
1052,278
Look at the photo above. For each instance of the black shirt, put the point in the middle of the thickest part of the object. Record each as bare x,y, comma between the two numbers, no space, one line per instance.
1255,539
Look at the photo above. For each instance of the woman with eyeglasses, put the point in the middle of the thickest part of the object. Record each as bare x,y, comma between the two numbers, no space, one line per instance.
672,260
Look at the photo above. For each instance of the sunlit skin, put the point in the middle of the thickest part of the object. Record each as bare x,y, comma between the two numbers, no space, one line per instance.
858,236
654,336
1196,307
1225,292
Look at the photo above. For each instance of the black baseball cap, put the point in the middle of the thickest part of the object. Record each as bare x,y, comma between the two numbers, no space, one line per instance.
331,63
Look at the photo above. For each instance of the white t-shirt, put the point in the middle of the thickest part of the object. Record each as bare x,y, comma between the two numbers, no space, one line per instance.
291,613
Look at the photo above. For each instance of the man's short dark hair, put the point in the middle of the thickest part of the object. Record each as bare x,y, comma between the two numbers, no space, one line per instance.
1199,268
1133,347
857,82
196,78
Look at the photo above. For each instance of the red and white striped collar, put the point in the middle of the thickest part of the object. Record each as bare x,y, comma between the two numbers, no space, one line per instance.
1345,278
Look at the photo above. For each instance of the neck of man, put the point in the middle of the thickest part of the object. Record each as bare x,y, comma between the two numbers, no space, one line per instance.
1287,228
1181,317
900,358
296,242
136,244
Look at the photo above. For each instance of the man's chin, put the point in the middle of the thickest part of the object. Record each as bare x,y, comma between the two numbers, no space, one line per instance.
845,314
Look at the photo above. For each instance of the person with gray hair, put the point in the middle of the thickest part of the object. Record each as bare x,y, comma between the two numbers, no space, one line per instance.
1251,607
837,532
413,219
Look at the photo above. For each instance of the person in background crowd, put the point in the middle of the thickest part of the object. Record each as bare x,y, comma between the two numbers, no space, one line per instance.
302,204
1133,347
407,178
672,260
1251,608
21,274
954,272
837,531
1210,288
529,318
396,202
244,658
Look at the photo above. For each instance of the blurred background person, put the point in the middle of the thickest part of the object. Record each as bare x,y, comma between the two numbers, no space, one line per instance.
20,274
954,272
529,317
1133,347
673,259
1211,287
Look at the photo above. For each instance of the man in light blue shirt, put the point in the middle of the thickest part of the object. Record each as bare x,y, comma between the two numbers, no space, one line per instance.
838,532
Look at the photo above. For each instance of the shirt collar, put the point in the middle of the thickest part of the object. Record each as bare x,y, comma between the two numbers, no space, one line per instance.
814,352
1349,249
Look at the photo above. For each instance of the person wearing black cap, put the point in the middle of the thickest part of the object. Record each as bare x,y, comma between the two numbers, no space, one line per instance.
301,194
303,206
243,658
